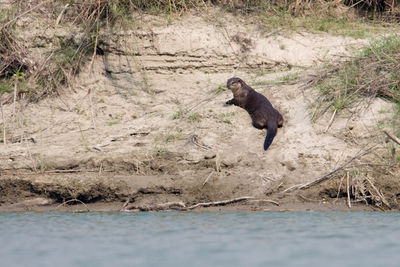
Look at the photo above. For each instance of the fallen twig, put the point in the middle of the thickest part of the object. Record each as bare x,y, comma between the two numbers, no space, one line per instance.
194,138
70,171
73,200
378,192
61,14
206,180
219,203
330,121
296,186
181,206
15,95
156,207
340,185
125,204
4,124
348,191
391,136
266,200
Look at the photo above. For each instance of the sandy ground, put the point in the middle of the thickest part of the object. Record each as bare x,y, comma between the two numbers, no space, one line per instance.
147,123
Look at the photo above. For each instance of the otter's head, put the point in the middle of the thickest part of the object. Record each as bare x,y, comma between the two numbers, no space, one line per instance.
234,84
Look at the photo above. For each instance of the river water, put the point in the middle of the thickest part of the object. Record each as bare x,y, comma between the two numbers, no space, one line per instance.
200,239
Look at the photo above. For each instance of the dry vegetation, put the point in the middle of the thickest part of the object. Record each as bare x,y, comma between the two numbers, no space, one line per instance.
345,87
38,79
373,72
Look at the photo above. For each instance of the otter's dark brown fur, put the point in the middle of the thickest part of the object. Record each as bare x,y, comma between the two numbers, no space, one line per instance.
262,114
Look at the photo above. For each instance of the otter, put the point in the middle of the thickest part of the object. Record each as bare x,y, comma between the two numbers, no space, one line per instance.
262,114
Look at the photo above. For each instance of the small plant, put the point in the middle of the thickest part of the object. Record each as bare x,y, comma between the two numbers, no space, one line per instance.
263,72
221,88
160,150
180,114
5,86
111,123
289,78
226,117
195,117
173,136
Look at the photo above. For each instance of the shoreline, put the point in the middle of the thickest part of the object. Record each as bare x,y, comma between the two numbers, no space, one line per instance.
47,205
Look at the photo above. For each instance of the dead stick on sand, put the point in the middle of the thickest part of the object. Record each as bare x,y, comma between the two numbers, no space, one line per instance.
125,204
391,136
61,14
340,185
348,191
181,206
155,207
330,121
327,176
378,192
71,200
265,200
15,95
219,203
206,180
4,123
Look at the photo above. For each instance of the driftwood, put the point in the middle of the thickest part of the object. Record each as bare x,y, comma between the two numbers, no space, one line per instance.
391,136
179,205
219,203
156,207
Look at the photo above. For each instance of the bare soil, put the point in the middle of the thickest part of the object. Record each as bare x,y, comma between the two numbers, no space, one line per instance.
145,123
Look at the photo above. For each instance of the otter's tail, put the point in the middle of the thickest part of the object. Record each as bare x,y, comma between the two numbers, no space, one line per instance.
271,132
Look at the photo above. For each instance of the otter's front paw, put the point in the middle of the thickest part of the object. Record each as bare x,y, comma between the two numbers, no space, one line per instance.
228,103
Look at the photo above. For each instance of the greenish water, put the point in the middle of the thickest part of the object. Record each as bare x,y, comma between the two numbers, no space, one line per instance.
200,239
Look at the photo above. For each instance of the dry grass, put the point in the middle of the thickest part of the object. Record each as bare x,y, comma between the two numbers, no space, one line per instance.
373,72
93,17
